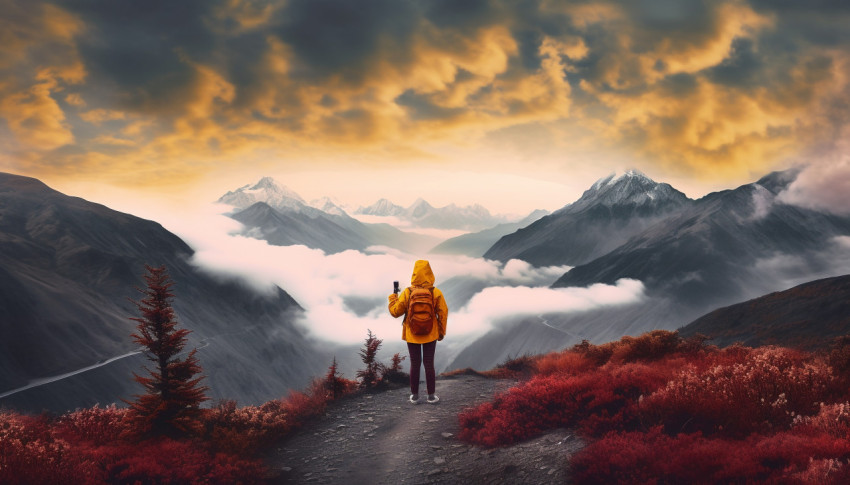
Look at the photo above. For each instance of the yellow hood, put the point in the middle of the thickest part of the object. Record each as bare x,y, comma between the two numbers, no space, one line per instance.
422,274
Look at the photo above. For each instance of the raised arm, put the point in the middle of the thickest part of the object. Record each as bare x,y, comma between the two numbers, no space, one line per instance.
398,303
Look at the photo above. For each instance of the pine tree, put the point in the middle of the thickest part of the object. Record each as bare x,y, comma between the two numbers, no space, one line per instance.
171,404
369,377
333,381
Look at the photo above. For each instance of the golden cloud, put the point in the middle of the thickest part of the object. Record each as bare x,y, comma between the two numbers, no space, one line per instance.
36,118
447,87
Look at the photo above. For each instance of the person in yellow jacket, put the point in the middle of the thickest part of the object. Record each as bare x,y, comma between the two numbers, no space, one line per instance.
421,347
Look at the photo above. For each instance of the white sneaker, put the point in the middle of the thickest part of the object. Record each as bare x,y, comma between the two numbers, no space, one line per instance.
433,399
414,399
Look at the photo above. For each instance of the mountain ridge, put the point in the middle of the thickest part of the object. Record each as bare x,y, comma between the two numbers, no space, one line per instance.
807,316
68,268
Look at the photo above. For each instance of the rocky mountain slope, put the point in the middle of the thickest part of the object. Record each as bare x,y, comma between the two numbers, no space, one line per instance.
67,269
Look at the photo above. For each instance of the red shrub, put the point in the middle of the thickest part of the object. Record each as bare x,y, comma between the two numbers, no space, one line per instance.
595,401
30,453
96,426
763,391
655,457
567,362
171,461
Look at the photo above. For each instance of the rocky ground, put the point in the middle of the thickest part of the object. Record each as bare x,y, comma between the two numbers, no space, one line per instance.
381,438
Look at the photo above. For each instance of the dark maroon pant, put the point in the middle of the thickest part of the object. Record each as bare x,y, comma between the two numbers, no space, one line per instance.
418,354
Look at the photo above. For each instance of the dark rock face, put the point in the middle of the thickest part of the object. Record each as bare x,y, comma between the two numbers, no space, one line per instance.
67,270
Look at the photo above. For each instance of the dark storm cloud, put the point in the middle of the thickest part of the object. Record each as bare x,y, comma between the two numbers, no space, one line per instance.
342,37
138,50
730,85
742,67
421,108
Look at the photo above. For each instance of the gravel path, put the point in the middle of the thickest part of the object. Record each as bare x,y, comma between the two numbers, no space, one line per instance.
381,438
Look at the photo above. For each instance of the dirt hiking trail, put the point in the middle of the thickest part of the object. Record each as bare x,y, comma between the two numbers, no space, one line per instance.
382,438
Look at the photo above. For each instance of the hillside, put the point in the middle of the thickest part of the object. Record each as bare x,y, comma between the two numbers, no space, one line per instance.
807,316
67,269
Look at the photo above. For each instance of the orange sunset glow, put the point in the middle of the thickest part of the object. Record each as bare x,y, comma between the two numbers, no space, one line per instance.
345,98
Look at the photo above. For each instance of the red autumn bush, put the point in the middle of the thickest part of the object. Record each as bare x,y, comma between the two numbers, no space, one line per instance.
595,401
31,453
762,391
166,460
90,446
96,425
656,457
659,409
569,363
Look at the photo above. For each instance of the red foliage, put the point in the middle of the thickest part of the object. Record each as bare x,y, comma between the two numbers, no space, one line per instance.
596,401
337,386
86,447
659,409
370,376
759,392
656,457
93,445
171,404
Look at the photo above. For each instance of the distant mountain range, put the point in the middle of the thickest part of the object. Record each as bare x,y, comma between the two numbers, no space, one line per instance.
421,214
67,269
280,216
807,316
691,255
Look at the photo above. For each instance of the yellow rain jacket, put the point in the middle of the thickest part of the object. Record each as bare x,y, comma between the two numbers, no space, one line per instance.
422,277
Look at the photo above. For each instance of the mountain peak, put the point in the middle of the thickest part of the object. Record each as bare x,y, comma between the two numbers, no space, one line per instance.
630,188
265,190
383,207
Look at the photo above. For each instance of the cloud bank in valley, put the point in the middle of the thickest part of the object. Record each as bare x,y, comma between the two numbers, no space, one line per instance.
325,284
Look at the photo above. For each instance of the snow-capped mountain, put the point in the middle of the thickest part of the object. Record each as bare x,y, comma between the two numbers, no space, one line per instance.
610,212
421,214
266,190
328,206
383,208
632,188
274,213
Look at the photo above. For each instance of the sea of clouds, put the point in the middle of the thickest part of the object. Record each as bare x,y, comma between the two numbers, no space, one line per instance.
326,284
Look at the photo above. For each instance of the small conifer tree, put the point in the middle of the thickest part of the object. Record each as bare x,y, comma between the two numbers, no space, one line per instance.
370,375
171,404
333,381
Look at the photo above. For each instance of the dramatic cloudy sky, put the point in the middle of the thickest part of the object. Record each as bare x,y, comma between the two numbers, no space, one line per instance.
515,104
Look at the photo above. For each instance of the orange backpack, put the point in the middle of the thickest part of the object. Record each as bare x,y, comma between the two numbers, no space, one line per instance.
420,310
